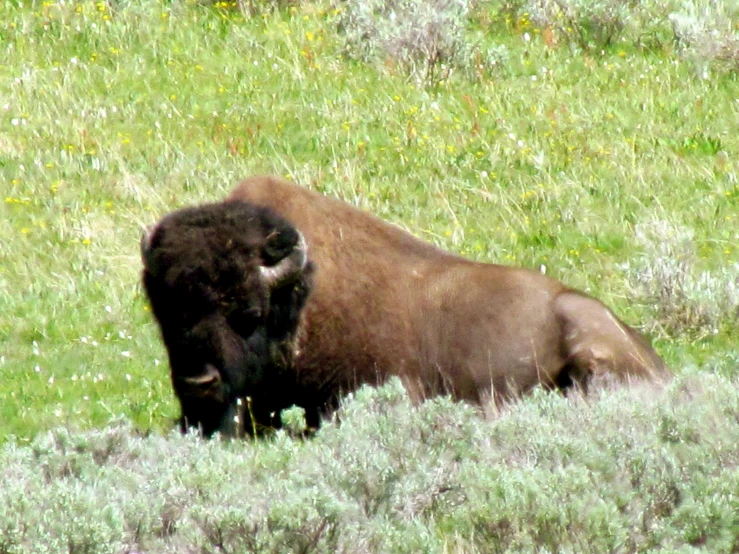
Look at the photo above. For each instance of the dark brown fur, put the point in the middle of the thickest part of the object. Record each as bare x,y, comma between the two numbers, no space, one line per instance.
385,303
228,320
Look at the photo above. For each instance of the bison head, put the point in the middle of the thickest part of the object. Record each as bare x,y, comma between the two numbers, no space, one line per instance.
227,283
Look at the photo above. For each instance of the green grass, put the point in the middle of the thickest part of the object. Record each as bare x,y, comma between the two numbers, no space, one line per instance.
618,172
111,115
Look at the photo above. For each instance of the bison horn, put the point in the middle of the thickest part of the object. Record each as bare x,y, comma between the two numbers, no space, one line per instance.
211,375
289,267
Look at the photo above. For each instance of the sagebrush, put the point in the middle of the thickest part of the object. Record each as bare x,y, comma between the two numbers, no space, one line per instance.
629,470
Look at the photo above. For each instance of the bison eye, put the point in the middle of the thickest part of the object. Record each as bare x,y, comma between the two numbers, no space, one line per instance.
244,323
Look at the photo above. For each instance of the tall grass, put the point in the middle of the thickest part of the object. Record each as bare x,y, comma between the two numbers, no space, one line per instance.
112,114
539,136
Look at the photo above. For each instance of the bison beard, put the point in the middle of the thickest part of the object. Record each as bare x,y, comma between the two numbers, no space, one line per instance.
381,303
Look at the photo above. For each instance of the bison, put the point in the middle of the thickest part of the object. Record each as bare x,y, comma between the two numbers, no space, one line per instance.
283,296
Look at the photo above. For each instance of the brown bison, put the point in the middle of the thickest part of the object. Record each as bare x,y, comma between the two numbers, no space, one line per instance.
372,302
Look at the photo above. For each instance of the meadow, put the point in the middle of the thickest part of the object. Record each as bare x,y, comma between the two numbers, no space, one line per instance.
589,140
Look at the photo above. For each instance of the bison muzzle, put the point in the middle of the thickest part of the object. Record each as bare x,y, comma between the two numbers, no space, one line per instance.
244,314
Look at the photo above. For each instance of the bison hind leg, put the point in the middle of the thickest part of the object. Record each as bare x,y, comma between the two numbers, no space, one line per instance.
596,344
573,376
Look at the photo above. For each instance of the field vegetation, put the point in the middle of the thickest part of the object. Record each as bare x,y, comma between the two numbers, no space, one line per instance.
631,471
595,141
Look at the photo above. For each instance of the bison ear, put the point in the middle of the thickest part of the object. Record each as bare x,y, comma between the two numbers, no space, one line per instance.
148,257
146,237
289,267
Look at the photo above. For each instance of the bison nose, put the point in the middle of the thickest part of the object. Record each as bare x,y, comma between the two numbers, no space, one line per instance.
206,386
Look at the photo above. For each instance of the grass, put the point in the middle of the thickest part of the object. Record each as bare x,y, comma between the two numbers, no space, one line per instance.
114,114
616,171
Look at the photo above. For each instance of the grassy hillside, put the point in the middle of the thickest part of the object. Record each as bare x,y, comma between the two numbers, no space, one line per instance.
615,169
595,142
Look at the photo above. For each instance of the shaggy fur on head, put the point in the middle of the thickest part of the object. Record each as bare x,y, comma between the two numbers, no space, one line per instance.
229,333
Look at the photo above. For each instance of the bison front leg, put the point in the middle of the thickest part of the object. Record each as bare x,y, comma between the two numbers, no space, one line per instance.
259,420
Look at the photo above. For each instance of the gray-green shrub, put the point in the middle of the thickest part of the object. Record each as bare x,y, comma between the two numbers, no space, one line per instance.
635,469
705,32
425,38
685,299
